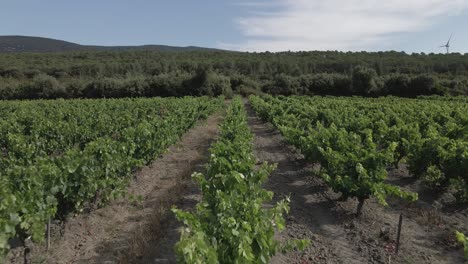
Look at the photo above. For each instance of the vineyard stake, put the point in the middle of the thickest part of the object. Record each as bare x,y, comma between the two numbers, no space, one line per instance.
400,222
48,234
27,251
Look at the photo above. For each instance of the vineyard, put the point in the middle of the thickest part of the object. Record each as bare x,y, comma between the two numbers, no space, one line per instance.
348,167
230,225
355,140
58,157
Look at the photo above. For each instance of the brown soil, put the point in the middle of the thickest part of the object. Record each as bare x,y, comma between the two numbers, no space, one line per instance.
336,234
123,231
161,250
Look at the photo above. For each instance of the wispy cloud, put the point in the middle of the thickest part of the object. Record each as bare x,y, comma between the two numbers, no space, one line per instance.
336,24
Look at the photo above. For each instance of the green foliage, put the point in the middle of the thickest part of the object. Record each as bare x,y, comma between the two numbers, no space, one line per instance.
325,84
363,80
462,239
413,85
206,82
230,224
169,84
353,165
152,73
397,84
46,86
244,85
430,133
60,156
425,85
441,161
355,140
282,84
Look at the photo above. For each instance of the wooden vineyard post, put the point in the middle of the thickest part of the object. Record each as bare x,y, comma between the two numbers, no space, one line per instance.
400,222
27,251
48,234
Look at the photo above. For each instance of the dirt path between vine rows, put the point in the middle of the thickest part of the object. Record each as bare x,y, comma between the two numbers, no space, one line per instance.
125,231
161,250
337,236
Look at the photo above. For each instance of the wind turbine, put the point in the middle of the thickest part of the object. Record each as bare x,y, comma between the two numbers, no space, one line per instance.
447,46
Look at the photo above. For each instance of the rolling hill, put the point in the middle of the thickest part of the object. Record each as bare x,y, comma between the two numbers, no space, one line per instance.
12,44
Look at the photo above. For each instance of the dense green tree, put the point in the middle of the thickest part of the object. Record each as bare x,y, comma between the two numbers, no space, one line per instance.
364,81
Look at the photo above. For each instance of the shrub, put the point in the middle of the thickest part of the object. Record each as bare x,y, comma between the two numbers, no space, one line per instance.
364,81
325,84
106,87
45,86
282,84
169,84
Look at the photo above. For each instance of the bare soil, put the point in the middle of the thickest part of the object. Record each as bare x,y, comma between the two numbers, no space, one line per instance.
125,230
161,250
336,234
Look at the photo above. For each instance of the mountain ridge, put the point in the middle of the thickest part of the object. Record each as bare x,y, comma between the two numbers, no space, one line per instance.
18,43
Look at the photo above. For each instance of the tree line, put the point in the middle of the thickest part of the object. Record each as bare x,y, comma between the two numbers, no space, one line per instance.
153,73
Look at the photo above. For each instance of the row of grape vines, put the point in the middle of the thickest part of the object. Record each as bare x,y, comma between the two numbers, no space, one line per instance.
230,224
61,156
355,140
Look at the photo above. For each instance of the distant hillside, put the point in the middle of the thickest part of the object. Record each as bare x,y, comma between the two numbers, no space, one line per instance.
11,44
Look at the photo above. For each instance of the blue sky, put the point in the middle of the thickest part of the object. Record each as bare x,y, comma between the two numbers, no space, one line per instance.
252,25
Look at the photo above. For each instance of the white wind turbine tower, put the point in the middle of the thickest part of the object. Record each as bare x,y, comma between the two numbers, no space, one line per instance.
447,46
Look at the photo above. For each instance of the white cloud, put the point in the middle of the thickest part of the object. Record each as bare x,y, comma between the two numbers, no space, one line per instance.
336,24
